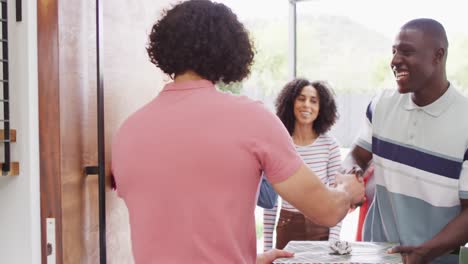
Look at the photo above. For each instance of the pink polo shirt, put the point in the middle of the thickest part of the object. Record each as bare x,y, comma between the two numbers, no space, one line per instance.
188,165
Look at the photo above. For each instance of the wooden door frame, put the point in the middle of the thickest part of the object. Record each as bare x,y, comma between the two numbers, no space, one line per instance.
49,122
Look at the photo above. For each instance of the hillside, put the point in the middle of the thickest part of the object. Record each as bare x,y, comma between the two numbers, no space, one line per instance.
337,49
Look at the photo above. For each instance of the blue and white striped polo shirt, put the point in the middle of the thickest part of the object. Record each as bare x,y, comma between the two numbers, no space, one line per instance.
421,166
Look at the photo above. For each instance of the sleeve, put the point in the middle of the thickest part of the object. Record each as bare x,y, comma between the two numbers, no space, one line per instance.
463,182
267,197
364,140
333,166
335,231
334,162
269,219
272,145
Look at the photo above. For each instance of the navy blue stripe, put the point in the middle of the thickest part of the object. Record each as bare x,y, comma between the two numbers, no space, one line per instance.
416,158
465,158
369,113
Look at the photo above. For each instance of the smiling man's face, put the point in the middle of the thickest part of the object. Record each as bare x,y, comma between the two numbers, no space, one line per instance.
413,62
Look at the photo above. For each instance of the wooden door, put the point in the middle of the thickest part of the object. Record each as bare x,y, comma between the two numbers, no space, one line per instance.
68,118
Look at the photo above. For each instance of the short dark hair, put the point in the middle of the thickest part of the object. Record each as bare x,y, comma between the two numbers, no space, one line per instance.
430,27
327,115
202,36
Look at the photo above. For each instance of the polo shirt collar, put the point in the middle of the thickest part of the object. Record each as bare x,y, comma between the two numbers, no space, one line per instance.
437,107
187,85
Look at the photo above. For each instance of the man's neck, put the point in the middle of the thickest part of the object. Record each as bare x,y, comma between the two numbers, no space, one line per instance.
427,96
187,76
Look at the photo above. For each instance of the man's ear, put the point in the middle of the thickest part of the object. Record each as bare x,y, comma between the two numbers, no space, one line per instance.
439,55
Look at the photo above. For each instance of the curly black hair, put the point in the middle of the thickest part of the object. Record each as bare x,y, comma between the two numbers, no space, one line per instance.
327,115
204,37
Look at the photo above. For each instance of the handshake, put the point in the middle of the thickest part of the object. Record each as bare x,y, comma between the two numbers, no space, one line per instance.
351,181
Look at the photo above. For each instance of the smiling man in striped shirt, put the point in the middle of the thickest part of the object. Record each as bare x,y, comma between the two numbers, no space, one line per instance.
417,138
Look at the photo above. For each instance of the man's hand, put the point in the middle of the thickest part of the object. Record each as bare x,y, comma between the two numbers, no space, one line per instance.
352,185
269,256
411,254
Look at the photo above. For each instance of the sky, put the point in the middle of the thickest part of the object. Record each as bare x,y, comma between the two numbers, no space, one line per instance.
383,16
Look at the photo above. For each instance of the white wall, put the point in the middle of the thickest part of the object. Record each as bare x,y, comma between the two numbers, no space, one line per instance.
19,195
352,109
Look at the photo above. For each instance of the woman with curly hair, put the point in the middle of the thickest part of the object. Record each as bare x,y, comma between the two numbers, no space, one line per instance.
188,163
307,110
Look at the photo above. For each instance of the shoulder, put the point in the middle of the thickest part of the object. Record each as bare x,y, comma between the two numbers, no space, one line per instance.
241,101
139,117
326,137
386,96
458,108
248,109
329,140
460,99
384,100
252,117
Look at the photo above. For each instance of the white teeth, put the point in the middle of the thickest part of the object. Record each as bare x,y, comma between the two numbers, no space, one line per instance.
306,114
401,75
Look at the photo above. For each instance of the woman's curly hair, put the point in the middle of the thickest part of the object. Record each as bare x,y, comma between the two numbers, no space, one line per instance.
327,115
204,37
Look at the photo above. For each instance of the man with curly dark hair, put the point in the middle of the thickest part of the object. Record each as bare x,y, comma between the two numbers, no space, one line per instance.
209,41
188,163
308,111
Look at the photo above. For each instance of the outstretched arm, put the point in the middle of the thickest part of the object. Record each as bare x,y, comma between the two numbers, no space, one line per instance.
323,205
358,156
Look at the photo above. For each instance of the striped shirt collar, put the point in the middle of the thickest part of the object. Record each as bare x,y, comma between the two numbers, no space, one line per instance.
436,108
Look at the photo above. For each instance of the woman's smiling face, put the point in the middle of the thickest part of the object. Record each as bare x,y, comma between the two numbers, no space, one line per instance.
307,106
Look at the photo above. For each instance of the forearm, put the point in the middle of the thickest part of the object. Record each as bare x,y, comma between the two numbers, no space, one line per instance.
450,238
338,204
357,157
324,206
333,206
